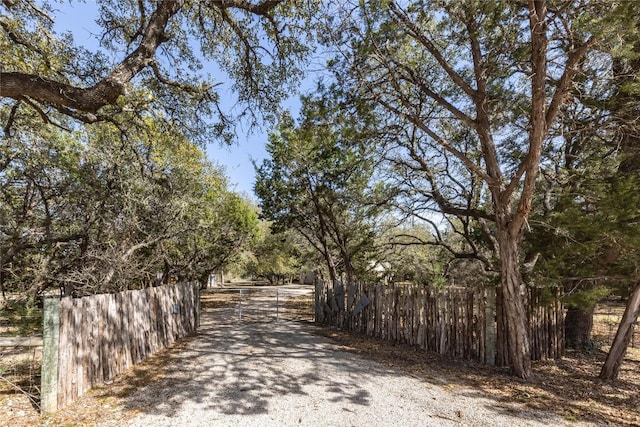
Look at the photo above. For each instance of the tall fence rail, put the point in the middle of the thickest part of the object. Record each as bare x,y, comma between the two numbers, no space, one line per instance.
90,340
457,322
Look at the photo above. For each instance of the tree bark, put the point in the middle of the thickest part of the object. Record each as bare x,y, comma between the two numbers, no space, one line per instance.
611,366
514,304
510,225
577,326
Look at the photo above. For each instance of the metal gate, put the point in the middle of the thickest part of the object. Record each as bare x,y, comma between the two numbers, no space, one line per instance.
261,303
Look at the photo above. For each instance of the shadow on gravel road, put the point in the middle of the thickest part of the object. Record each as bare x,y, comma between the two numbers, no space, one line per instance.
244,368
282,373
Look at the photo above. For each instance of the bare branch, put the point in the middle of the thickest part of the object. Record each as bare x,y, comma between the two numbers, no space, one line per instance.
42,13
441,141
419,36
36,107
417,241
444,205
480,99
193,90
12,116
143,21
439,99
564,85
261,9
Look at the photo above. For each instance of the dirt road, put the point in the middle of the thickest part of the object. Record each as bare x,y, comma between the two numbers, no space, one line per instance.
278,373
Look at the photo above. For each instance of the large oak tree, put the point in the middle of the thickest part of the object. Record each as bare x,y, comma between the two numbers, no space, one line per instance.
472,90
150,61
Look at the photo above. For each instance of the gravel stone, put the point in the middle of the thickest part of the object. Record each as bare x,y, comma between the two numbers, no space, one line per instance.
278,373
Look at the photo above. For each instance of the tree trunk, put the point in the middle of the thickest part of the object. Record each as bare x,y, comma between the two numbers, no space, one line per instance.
577,326
331,267
514,304
502,349
611,366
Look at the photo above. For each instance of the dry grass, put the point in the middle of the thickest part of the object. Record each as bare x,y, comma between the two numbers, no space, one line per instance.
605,324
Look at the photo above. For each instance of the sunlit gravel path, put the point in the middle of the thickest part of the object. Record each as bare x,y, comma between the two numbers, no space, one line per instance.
239,373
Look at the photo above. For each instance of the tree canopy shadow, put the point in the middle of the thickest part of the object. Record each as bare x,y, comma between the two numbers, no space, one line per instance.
242,368
235,367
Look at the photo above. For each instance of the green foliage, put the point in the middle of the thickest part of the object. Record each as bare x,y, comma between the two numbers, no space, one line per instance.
275,258
88,215
589,241
586,299
408,257
317,181
258,49
21,317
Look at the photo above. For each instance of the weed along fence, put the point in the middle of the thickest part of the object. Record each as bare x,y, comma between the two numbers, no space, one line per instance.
457,322
90,340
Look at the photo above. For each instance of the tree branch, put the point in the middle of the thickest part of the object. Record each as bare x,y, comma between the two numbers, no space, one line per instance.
261,9
418,35
531,164
436,97
563,87
22,42
444,205
12,117
441,141
106,92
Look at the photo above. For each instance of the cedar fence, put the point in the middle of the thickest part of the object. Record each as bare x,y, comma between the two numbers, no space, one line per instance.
90,340
456,322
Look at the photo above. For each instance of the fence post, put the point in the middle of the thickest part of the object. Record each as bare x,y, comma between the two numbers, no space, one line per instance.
197,305
316,296
321,299
50,342
277,304
490,326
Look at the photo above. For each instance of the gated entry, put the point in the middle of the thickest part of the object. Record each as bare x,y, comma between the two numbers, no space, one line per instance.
261,303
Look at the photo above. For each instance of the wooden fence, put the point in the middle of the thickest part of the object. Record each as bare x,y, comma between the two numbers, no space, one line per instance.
90,340
457,322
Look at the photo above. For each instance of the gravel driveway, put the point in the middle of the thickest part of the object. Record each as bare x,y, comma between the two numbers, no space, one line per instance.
239,373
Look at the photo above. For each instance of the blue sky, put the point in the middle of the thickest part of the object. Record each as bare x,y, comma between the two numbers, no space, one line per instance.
79,18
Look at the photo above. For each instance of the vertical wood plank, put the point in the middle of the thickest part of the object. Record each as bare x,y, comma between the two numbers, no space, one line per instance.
65,352
50,342
491,326
460,322
79,339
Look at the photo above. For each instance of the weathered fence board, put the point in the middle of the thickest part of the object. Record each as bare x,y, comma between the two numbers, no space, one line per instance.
32,341
90,340
49,374
458,322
